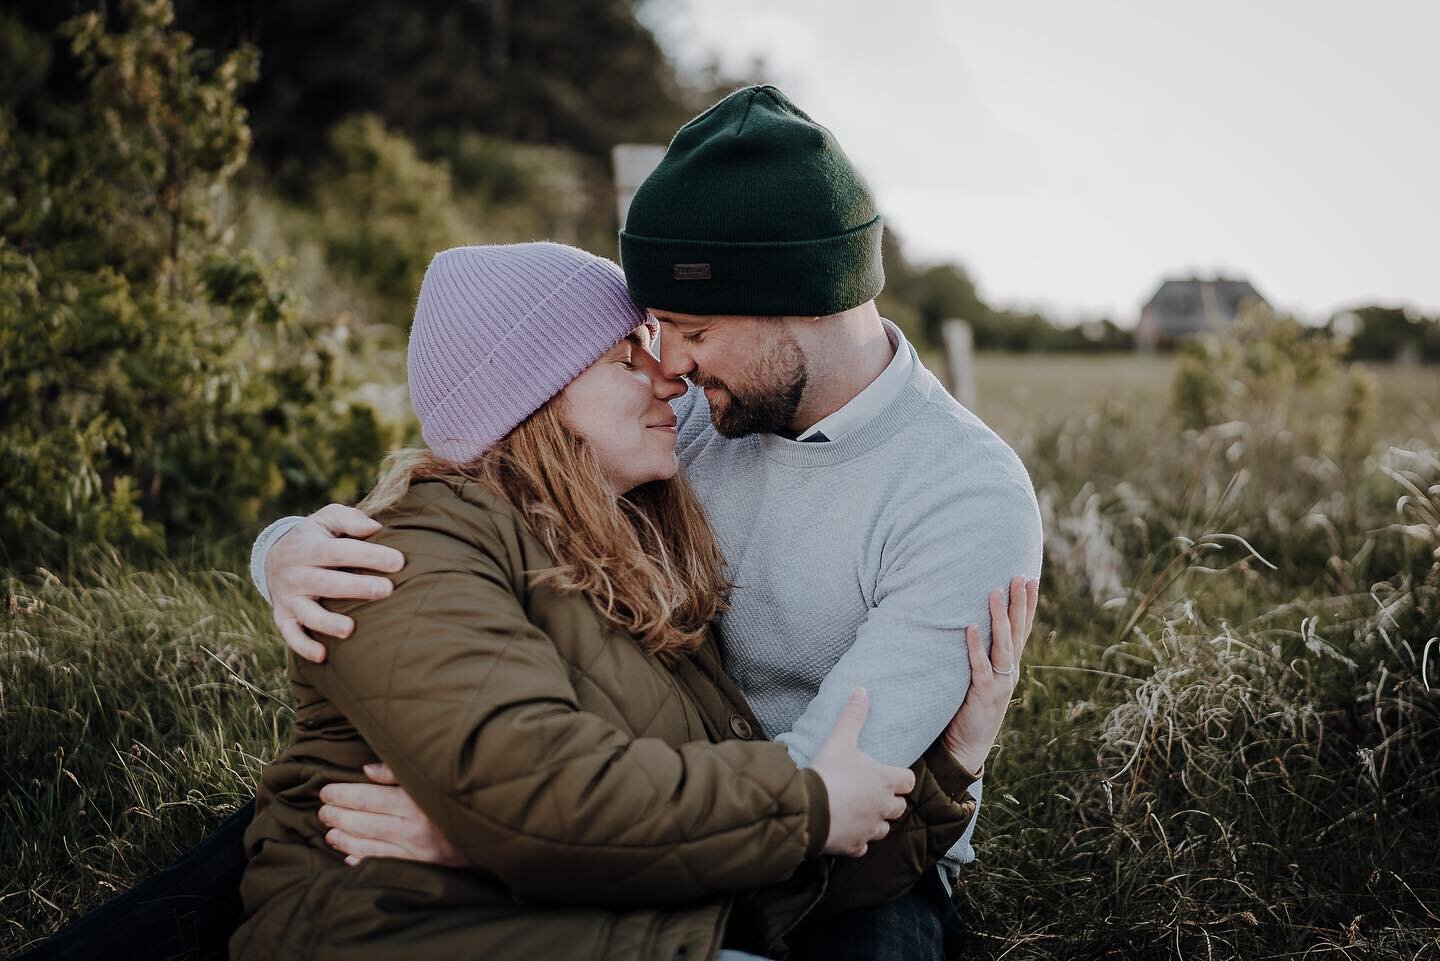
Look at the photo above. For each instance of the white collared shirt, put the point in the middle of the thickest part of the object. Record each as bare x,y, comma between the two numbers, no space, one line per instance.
875,397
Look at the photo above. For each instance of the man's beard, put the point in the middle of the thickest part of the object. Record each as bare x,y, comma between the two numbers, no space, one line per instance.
769,406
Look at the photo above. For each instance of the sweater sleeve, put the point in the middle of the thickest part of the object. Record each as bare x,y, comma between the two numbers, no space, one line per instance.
474,708
909,652
261,550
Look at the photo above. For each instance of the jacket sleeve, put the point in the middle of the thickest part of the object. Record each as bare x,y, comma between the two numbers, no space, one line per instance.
939,811
473,707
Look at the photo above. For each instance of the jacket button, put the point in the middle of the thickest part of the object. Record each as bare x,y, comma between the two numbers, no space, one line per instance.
741,727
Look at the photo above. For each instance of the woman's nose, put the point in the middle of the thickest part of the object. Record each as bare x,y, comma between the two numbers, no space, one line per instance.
662,384
667,388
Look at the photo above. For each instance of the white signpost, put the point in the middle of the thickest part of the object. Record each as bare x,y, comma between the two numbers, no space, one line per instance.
960,356
633,163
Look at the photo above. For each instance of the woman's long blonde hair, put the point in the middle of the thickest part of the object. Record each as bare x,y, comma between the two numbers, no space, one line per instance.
647,559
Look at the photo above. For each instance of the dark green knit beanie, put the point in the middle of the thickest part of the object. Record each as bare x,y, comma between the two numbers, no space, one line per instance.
754,210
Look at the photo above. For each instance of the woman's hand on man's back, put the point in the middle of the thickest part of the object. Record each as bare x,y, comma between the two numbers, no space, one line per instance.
971,733
312,562
380,820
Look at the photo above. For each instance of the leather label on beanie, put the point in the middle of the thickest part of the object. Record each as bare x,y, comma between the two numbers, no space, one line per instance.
692,271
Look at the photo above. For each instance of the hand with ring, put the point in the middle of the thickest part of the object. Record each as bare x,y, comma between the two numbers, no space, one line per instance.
971,733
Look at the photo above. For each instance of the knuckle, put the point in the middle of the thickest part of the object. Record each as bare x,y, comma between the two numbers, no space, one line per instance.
304,583
305,535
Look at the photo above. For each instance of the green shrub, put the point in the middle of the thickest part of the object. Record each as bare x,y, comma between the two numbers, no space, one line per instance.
384,212
156,384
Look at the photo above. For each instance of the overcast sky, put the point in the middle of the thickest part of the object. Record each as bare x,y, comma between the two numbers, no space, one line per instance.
1071,155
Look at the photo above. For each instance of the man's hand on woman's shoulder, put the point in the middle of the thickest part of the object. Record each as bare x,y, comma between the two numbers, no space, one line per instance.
313,561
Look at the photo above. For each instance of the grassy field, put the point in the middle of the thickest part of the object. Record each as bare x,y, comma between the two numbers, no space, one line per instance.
1015,392
1225,745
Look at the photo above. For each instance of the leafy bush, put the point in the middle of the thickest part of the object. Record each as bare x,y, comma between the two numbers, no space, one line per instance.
1388,333
156,385
384,211
380,209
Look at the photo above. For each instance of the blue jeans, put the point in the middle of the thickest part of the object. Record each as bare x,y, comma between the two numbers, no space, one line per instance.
921,926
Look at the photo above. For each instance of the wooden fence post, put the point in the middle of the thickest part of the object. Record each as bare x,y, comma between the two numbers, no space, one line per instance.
633,163
960,357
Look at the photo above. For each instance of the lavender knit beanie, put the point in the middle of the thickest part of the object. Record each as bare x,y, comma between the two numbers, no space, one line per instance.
500,330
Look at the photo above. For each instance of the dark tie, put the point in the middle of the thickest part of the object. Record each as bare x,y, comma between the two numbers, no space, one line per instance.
816,437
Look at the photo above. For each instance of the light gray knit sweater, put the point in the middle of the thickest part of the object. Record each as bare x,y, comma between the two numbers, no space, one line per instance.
857,563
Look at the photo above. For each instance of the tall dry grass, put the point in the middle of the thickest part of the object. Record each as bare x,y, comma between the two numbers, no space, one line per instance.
1227,744
136,709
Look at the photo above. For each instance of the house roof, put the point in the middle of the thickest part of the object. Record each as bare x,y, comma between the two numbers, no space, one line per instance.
1195,304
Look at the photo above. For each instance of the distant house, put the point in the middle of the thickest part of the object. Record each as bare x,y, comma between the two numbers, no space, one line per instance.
1185,307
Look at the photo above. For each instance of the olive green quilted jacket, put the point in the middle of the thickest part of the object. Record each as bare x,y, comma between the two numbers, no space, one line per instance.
612,807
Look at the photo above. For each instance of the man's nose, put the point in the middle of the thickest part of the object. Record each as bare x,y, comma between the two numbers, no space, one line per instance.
675,360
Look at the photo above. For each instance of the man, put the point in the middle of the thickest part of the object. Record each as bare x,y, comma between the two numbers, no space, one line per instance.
864,515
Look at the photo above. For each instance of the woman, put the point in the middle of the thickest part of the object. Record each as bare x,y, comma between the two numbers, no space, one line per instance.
542,683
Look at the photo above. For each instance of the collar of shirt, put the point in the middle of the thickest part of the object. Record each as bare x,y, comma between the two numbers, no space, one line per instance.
875,397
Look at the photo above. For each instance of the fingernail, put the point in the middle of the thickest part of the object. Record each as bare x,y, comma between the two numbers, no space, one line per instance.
351,860
324,813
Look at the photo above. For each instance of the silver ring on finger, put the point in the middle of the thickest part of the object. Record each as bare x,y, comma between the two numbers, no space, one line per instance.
1003,673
